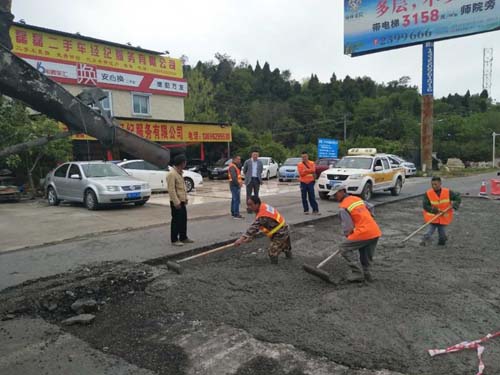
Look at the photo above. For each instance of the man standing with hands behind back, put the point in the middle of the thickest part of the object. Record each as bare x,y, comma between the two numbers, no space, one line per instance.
178,202
252,169
307,178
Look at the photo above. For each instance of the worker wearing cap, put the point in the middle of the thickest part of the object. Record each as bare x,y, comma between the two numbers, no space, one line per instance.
361,231
269,221
439,200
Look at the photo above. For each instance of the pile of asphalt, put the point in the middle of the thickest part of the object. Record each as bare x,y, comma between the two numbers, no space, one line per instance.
422,298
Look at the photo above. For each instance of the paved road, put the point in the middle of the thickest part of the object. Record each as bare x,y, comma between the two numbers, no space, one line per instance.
150,243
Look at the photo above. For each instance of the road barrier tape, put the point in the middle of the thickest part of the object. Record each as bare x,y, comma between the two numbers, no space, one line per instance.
476,344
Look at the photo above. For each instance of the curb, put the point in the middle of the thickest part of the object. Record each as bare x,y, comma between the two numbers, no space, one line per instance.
201,249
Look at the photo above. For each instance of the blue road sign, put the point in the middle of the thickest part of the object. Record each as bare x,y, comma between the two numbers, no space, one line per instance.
328,148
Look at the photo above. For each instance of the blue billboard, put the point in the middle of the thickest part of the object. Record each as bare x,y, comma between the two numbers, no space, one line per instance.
328,148
378,25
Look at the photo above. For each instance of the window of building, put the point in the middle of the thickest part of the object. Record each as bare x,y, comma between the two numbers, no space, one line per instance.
141,104
107,104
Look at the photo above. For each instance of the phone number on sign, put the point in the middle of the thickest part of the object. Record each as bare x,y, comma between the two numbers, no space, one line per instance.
402,37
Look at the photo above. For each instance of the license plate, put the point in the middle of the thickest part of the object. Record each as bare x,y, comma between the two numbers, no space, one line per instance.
333,183
290,175
133,195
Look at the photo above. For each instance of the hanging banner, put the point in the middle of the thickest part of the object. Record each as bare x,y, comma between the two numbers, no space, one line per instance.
428,69
378,25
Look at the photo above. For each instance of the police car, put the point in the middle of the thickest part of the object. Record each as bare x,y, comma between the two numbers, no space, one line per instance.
363,171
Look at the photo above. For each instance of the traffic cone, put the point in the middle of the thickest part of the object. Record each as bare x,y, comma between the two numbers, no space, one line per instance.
482,190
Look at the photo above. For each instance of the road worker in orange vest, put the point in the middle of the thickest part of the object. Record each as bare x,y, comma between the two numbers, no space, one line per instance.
361,232
269,221
439,200
307,178
235,183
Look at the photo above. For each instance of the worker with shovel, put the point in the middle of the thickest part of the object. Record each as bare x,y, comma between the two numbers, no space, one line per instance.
361,231
438,205
269,221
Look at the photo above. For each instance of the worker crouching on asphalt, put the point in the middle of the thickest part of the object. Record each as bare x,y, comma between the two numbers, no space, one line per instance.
439,200
269,221
361,231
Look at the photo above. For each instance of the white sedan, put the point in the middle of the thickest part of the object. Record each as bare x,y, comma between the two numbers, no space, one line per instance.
156,177
270,167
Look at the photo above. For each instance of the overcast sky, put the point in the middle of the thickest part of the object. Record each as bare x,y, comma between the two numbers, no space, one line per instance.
304,36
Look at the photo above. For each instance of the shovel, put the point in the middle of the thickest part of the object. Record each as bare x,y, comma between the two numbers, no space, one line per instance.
176,267
317,271
403,242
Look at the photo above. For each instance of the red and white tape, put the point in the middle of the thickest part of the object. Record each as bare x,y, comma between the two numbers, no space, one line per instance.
476,344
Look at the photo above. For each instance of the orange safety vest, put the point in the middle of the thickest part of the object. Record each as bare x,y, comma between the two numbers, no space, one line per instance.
365,226
441,203
305,175
238,173
266,210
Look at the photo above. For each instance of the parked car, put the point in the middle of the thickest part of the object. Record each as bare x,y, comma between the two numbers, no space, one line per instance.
396,162
198,166
288,170
270,167
157,177
323,164
9,191
363,172
94,183
219,171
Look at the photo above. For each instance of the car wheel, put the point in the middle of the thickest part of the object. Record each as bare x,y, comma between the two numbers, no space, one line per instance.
280,180
140,203
189,184
52,197
324,195
366,194
397,188
90,200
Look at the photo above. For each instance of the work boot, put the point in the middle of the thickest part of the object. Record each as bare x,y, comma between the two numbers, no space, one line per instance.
273,259
442,242
288,253
355,277
424,242
368,277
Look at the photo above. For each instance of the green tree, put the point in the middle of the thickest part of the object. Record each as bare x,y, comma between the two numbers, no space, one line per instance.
199,105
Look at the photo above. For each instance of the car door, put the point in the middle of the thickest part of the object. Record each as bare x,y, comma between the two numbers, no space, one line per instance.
59,180
378,174
136,169
275,167
388,173
74,183
157,177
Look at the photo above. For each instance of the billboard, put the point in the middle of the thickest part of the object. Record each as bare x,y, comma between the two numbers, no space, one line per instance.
378,25
428,68
170,131
328,148
65,58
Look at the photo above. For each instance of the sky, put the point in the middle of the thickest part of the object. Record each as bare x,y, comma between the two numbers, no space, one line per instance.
303,36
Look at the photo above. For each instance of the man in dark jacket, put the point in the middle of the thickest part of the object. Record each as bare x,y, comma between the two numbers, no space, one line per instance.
252,170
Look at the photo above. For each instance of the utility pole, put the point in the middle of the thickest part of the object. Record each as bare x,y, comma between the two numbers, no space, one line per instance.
345,128
494,156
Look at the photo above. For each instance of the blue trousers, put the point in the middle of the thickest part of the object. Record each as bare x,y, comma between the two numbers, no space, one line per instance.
307,190
432,228
235,200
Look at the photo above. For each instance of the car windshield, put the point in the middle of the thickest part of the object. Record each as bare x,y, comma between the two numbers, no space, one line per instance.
292,161
265,161
354,163
103,170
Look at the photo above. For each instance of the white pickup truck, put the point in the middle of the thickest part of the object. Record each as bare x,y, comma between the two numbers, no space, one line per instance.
363,171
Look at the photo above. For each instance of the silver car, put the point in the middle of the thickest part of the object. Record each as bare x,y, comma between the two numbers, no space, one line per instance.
94,183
